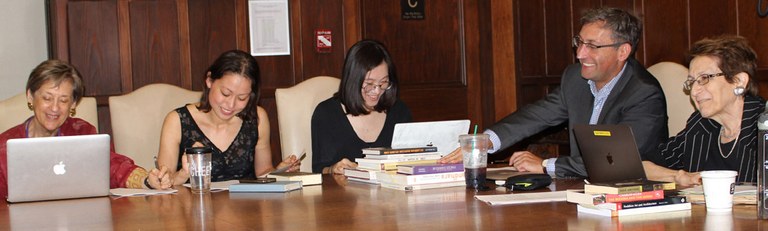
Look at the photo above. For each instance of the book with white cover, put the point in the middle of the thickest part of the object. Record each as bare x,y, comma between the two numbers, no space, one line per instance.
635,211
402,179
306,178
423,186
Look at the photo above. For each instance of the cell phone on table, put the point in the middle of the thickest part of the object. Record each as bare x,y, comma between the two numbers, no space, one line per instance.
283,169
259,180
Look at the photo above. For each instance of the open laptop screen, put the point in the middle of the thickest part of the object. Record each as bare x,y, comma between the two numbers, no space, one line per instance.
609,152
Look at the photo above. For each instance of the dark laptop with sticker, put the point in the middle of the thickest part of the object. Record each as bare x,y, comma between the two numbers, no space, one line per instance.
610,153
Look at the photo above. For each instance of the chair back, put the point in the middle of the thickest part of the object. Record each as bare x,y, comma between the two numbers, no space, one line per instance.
137,119
295,106
679,106
15,111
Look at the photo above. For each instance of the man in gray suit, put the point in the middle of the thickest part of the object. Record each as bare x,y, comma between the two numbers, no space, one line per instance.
607,86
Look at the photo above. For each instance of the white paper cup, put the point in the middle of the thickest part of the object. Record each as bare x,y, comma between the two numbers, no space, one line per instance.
718,189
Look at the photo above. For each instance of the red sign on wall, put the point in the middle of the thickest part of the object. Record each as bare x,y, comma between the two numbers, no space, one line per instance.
324,39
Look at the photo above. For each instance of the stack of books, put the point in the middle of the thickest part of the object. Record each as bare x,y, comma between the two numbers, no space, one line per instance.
411,177
387,159
614,200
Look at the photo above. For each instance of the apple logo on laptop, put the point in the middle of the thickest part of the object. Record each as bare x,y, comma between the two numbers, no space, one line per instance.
59,169
610,158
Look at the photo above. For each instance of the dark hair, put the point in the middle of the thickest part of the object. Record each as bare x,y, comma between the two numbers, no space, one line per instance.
362,58
56,71
625,26
236,62
733,56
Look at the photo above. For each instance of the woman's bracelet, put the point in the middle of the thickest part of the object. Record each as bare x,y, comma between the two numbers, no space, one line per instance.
146,183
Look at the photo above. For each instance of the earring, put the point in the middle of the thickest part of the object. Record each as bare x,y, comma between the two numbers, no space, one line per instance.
29,105
738,91
72,112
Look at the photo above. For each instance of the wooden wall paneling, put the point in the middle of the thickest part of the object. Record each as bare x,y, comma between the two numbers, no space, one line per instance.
558,48
93,45
58,32
155,43
89,41
470,55
755,29
321,15
211,33
530,31
428,55
352,14
665,35
711,17
503,84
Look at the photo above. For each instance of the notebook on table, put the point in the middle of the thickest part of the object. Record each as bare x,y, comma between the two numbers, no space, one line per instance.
441,134
51,168
610,153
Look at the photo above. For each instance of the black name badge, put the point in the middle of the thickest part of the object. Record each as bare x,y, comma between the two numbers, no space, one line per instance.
412,9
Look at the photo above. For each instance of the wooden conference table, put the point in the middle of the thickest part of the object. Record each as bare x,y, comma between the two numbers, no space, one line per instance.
341,205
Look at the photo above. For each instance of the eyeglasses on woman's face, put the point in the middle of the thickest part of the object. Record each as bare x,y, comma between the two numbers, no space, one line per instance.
383,86
701,80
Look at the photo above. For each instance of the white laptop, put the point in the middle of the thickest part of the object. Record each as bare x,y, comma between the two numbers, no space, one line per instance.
52,168
442,134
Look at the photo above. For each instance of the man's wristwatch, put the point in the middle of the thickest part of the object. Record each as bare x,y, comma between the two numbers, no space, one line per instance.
544,165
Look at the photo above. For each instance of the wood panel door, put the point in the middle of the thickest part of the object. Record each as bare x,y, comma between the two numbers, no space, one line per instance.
437,58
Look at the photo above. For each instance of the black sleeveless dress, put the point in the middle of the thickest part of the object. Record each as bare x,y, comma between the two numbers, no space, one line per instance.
236,162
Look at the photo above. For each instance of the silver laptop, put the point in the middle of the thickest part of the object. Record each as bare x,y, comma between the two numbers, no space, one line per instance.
610,153
77,214
442,134
52,168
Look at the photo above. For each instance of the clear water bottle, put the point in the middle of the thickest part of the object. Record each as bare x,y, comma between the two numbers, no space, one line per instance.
762,165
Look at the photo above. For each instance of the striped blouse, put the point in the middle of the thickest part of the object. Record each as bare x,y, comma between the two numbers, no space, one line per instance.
696,147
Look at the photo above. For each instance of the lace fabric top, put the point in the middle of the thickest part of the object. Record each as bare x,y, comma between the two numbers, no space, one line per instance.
234,163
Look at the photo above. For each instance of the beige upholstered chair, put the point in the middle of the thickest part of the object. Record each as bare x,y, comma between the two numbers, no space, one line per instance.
15,111
295,106
137,118
679,106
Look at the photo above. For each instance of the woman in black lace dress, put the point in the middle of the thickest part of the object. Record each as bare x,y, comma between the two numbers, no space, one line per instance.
226,119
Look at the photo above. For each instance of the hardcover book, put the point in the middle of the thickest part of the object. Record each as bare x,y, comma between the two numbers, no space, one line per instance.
360,173
409,156
623,188
390,151
306,178
635,211
402,179
641,204
380,165
277,186
579,197
419,169
424,186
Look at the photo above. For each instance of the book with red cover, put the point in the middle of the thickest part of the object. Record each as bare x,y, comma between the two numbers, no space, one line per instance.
579,197
419,169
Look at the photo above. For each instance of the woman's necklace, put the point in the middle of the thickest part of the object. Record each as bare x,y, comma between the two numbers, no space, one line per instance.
720,148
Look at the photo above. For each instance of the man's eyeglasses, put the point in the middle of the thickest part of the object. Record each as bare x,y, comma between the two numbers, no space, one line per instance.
367,87
578,42
701,80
